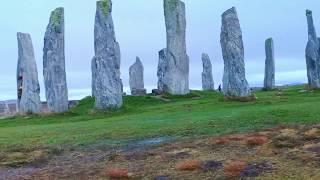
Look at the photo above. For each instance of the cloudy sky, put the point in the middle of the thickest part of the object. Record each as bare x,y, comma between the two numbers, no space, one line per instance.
140,30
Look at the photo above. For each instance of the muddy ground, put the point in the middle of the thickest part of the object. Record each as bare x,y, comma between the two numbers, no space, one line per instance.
285,152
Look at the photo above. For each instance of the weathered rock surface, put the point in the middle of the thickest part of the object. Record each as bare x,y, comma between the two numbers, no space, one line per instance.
207,78
177,74
269,76
312,54
136,79
54,63
28,88
106,82
162,69
234,79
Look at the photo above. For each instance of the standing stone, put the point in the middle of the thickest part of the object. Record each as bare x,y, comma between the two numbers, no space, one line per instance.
136,79
28,88
207,79
162,69
176,80
269,77
312,54
54,63
234,79
106,82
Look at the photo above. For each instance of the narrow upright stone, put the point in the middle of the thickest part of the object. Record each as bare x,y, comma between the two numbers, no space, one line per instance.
207,79
312,54
269,77
177,75
106,82
136,80
28,88
162,69
234,79
54,63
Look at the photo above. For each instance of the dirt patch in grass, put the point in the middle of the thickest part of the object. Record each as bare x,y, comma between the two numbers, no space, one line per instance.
270,154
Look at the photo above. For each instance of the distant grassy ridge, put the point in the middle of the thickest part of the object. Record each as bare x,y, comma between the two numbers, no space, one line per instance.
202,113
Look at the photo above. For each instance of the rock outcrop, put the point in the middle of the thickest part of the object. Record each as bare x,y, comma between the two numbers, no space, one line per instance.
54,63
207,78
269,76
136,79
162,69
106,82
177,74
28,89
312,54
234,79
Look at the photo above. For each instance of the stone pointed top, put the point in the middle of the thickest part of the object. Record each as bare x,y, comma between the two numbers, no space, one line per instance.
232,10
138,61
269,42
312,35
105,6
205,56
206,60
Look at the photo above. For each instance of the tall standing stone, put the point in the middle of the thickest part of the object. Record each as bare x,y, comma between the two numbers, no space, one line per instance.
162,69
106,82
234,79
207,78
136,80
312,54
54,63
28,88
269,77
177,75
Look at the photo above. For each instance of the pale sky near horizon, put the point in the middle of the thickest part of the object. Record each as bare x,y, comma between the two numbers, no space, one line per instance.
140,30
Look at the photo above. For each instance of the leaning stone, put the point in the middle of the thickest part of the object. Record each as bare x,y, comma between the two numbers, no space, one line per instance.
136,80
312,54
207,79
54,63
177,74
269,77
28,88
234,79
106,82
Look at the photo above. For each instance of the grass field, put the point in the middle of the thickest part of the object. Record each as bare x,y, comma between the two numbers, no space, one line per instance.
146,117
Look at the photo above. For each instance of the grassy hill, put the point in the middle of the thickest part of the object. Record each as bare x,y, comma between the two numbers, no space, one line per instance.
197,114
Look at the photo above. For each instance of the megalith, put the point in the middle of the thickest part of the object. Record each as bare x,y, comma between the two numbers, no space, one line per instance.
28,89
207,78
234,78
162,69
136,79
312,54
54,63
177,74
106,82
269,76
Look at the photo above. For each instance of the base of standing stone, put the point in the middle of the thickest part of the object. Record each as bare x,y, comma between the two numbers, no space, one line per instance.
156,92
138,92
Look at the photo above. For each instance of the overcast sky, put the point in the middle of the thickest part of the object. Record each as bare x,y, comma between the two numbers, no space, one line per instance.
140,30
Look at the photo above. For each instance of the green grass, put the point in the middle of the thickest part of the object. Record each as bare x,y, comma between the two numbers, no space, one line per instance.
145,117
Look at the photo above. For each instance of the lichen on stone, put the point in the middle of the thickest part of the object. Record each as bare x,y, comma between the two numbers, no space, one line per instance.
56,16
172,4
105,6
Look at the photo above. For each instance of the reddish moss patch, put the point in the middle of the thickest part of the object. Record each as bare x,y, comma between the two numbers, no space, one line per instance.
118,173
234,168
256,140
189,165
